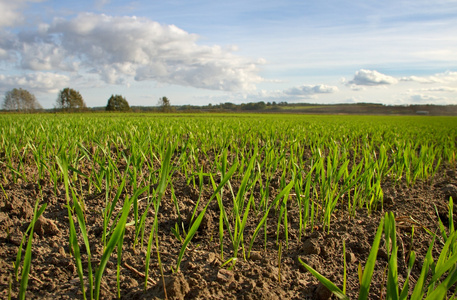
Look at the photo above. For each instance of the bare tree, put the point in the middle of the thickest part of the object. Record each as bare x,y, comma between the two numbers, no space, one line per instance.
20,100
70,100
164,104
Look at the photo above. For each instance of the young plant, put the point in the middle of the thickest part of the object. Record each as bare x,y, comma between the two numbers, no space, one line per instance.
198,220
365,278
282,196
165,173
436,288
115,237
28,251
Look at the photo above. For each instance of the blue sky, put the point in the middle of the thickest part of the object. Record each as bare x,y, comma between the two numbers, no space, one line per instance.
200,52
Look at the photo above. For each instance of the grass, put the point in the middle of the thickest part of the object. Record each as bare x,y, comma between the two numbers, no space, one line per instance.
316,164
28,252
443,271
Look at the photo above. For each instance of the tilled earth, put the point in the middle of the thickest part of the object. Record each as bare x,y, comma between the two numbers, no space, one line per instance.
262,276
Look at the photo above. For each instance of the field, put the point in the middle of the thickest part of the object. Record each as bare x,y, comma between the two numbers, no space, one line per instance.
227,206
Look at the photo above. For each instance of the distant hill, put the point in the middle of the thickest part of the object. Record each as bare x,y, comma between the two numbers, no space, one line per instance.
306,108
301,108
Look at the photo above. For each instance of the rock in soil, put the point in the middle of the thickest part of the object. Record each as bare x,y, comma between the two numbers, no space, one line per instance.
311,246
450,190
322,292
44,226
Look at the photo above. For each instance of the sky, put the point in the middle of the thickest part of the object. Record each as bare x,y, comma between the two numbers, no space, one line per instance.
395,52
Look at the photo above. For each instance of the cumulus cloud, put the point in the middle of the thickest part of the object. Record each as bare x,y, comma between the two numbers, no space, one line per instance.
9,14
307,90
448,76
429,99
445,89
372,78
7,45
45,57
293,94
38,82
356,87
120,48
430,79
11,11
445,77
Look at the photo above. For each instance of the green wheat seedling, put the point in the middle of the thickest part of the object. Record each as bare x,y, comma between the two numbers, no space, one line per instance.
223,218
180,224
320,166
365,278
115,240
450,221
28,251
115,236
436,288
74,246
240,211
109,206
280,198
198,220
200,190
163,182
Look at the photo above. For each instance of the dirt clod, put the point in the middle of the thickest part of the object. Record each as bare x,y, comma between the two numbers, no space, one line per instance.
322,292
350,258
44,226
255,255
311,246
177,286
200,275
225,276
450,190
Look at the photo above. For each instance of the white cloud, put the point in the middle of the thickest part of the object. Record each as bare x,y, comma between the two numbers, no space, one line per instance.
38,82
372,78
352,100
419,79
96,49
445,89
45,57
10,11
120,48
446,77
7,44
356,87
9,14
429,99
434,95
293,94
99,4
306,90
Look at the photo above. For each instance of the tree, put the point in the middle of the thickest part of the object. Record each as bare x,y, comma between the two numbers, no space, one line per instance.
70,100
117,103
165,104
20,100
228,105
253,106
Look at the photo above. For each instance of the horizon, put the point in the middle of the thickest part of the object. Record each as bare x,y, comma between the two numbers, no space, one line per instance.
203,52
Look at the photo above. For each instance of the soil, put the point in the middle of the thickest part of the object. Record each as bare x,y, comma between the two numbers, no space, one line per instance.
261,276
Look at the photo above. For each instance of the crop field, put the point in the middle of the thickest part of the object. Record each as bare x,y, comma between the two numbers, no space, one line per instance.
227,206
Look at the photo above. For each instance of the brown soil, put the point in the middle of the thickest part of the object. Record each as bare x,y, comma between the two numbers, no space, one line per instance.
54,275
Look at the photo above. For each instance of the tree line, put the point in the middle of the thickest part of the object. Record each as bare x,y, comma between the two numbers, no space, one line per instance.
68,100
20,100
